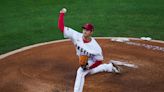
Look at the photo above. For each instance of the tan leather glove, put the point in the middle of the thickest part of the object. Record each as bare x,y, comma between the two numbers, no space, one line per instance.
83,61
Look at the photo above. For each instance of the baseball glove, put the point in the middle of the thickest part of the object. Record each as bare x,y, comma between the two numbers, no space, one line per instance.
83,61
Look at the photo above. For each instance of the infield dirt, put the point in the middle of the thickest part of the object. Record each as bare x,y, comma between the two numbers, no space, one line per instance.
52,68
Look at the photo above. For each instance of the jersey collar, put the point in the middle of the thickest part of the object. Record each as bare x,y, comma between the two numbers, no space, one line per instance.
86,41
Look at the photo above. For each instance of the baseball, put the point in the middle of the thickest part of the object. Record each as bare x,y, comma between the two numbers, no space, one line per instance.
64,10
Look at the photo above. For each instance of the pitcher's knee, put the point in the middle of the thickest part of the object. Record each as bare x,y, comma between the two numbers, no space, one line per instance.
107,67
81,72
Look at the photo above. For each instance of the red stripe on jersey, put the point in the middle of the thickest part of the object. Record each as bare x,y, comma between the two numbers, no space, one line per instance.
97,63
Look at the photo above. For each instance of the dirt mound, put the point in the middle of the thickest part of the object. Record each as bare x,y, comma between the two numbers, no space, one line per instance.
52,68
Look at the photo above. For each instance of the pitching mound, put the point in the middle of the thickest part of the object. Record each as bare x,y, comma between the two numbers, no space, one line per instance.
52,68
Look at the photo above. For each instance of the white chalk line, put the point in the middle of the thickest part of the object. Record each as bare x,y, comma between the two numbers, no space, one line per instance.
123,63
129,42
52,42
152,47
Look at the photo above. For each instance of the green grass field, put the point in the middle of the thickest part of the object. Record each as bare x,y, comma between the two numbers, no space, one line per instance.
26,22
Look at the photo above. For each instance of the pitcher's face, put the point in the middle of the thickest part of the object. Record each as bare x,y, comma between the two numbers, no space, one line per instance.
87,33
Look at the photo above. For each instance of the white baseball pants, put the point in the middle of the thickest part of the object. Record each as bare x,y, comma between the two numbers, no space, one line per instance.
80,76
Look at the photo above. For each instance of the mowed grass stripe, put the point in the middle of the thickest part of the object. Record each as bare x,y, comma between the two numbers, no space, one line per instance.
26,22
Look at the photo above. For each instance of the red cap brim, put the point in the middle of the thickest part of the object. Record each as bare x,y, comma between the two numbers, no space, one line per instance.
87,29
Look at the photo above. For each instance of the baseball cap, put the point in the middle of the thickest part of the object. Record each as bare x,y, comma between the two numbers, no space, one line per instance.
88,27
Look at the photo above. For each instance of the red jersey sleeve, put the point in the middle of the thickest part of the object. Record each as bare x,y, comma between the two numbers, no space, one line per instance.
61,22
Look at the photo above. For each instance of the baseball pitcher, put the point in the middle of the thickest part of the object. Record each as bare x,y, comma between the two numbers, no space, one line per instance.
88,50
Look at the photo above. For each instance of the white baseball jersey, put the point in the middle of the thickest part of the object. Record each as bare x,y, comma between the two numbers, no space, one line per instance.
91,49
